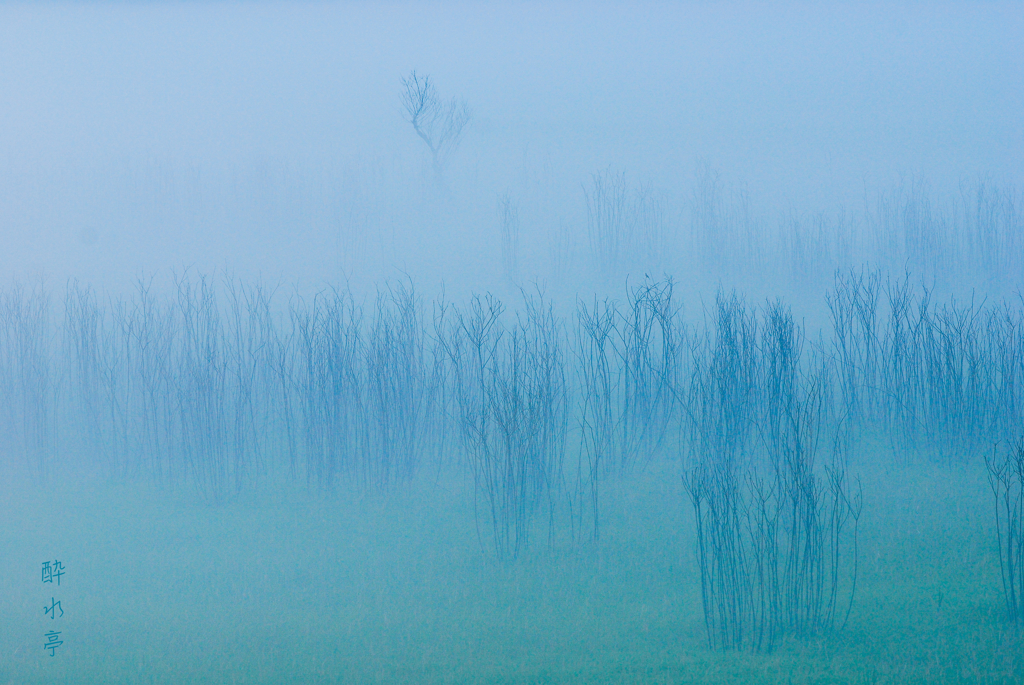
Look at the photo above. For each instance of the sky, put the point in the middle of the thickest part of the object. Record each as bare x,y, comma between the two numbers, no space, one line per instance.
269,138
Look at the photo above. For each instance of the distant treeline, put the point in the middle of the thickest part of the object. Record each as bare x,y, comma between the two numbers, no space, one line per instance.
972,236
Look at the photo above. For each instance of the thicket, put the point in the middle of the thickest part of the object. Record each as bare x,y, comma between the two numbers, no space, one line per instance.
776,512
222,384
1006,476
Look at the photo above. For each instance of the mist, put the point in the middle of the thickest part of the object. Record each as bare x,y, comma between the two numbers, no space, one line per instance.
269,138
526,343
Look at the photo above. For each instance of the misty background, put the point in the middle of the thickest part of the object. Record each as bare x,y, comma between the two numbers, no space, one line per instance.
701,352
269,139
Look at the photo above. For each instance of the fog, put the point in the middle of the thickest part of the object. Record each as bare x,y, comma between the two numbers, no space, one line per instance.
661,343
270,138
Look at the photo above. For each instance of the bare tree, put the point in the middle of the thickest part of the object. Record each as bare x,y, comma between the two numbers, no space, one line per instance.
440,124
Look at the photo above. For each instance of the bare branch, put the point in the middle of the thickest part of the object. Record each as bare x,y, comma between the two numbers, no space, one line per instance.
438,123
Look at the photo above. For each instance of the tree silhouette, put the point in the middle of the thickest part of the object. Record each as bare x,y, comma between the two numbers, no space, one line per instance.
440,124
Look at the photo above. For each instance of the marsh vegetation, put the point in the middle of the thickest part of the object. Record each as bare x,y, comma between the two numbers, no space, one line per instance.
614,343
535,433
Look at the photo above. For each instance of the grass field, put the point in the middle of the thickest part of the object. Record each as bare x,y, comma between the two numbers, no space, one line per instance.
279,586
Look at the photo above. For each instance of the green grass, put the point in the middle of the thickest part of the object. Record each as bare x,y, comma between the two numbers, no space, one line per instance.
277,587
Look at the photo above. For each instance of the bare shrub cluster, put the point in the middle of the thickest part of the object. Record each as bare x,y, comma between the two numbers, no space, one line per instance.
220,385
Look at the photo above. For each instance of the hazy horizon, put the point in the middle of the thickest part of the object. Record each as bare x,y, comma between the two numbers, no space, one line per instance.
269,138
